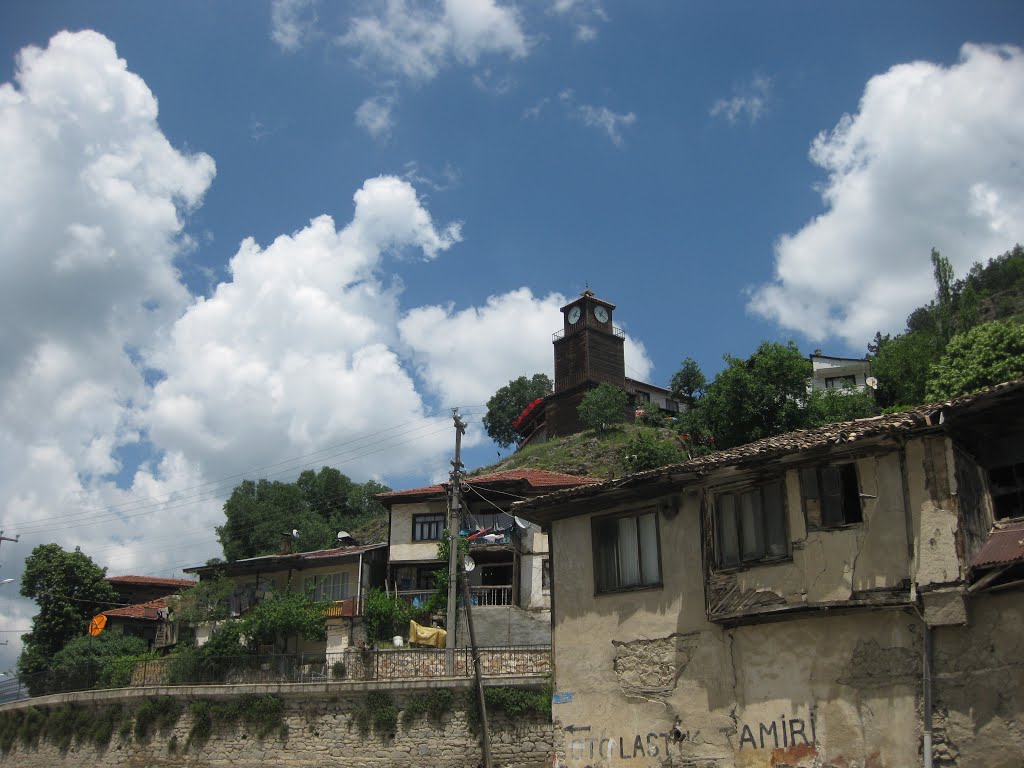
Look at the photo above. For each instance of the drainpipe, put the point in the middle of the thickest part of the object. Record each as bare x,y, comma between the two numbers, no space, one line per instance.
927,691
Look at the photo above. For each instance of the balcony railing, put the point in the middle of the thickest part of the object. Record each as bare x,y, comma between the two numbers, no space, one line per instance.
347,608
353,664
499,595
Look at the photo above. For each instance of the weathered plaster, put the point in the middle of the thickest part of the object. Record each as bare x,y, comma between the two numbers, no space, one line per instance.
403,548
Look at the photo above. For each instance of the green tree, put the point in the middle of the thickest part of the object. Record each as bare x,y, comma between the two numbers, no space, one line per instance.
828,406
757,397
688,383
508,402
317,505
603,407
208,601
283,616
69,589
902,367
985,355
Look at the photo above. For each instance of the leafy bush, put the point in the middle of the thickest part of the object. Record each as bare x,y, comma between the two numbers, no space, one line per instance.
646,450
285,615
988,354
384,616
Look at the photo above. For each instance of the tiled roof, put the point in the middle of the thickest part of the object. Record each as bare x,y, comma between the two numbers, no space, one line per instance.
145,610
1004,545
919,418
540,479
152,580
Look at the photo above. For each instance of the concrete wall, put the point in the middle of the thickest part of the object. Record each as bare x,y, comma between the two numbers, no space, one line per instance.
506,625
321,732
532,594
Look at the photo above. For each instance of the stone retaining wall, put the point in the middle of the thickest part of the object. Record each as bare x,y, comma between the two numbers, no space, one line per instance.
321,731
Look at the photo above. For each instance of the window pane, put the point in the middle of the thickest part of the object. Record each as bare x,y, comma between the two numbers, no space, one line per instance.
811,496
629,555
774,521
851,494
649,548
751,532
832,497
728,532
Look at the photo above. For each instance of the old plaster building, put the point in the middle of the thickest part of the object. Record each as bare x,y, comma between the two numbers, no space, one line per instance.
847,596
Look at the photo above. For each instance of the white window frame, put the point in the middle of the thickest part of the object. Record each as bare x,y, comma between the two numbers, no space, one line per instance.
626,557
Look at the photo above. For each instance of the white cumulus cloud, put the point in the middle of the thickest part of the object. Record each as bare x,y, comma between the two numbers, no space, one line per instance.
931,158
417,42
457,351
292,22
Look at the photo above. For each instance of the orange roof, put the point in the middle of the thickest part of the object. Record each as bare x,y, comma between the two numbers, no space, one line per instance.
539,479
154,580
145,610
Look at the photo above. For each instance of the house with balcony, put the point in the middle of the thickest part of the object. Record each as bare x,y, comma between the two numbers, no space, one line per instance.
847,595
510,560
341,576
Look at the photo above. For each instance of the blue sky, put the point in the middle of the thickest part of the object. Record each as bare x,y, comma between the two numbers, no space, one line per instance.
241,233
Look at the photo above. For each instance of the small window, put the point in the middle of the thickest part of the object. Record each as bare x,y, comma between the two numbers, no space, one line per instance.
1007,487
671,406
831,496
751,525
427,527
626,552
545,575
840,382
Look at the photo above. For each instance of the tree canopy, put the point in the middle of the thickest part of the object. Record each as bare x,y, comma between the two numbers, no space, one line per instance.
985,355
317,504
603,406
508,402
688,383
757,397
69,589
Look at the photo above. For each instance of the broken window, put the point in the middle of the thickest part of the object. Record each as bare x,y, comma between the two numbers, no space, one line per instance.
545,575
1007,488
626,551
751,524
831,496
427,527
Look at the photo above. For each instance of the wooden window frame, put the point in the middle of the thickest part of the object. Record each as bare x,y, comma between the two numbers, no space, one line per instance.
596,523
737,491
852,509
417,520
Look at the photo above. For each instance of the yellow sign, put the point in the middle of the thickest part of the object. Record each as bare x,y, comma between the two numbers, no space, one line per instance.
97,624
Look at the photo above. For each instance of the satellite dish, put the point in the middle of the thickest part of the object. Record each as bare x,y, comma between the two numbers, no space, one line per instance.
295,533
344,535
872,382
520,522
468,563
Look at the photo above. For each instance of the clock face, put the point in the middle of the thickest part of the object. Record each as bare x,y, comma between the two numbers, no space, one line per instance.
601,314
574,315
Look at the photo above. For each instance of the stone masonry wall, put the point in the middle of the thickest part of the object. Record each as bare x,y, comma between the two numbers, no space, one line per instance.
321,731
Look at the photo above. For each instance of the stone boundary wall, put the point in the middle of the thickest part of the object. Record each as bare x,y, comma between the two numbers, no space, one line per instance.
321,731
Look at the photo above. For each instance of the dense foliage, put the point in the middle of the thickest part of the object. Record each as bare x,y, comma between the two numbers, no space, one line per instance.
283,616
986,354
908,366
205,602
318,505
688,383
508,402
69,589
603,407
105,661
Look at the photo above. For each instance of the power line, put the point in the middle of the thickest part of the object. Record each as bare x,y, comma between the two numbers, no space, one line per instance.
44,526
156,500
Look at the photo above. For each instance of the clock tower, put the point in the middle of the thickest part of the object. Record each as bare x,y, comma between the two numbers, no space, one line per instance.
588,352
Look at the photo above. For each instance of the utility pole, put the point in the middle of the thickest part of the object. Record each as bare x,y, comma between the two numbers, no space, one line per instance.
454,520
